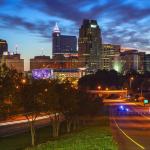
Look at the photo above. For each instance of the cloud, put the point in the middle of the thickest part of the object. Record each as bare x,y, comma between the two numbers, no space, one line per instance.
40,28
121,21
76,11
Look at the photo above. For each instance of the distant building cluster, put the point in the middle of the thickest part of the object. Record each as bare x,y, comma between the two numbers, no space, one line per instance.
12,60
72,57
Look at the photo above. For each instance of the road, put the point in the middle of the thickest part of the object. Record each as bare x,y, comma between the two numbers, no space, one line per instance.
14,127
130,129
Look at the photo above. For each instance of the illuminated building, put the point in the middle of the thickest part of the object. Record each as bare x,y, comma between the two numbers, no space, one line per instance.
13,61
47,73
90,45
42,73
71,61
118,64
141,62
123,49
62,43
147,62
39,62
67,61
133,60
67,73
3,47
109,57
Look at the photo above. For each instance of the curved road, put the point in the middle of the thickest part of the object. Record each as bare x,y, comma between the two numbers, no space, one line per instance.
130,129
14,127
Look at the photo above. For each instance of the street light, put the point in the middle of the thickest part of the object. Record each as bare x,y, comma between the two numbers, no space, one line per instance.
17,87
23,81
99,87
131,79
45,90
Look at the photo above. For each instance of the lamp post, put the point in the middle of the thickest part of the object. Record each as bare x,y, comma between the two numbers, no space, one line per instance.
142,87
131,79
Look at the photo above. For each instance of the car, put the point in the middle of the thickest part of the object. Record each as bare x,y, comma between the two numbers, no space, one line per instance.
122,108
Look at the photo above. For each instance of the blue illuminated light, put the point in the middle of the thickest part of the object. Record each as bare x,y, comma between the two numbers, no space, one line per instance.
127,109
121,107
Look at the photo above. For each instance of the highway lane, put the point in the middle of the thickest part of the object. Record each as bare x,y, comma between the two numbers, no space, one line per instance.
15,127
130,129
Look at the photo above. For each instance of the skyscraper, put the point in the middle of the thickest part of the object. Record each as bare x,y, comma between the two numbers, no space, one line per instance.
3,47
90,45
62,44
56,40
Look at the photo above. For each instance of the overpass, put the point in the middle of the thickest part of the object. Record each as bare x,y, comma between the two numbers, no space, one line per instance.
122,93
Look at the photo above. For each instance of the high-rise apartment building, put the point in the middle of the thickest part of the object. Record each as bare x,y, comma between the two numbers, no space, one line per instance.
133,60
147,62
90,45
110,54
3,47
141,67
62,44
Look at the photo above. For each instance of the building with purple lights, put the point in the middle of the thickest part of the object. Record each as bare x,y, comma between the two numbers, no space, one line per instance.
42,73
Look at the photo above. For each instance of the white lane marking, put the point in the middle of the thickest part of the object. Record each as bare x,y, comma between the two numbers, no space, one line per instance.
139,145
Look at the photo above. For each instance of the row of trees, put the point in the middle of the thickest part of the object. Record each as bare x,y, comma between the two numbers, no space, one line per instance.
114,80
31,98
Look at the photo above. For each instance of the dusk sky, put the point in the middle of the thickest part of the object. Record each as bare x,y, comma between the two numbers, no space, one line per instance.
29,23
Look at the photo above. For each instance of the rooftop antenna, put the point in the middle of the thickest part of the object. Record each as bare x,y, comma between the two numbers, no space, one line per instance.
42,51
16,48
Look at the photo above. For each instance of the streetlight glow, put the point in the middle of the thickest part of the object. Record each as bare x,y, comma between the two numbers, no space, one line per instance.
99,87
131,79
23,81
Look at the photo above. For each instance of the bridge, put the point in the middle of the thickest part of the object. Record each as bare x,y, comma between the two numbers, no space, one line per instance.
122,93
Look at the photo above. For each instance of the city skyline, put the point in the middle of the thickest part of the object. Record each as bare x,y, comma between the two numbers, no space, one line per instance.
29,25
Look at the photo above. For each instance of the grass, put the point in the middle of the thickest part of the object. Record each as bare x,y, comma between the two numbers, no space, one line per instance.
93,137
21,141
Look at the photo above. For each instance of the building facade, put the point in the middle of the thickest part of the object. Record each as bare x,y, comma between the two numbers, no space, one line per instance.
62,43
110,55
133,60
3,47
66,61
67,73
39,62
147,62
13,61
141,60
90,45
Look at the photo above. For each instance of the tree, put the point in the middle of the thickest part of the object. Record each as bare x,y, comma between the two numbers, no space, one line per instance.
30,100
9,79
70,105
53,99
